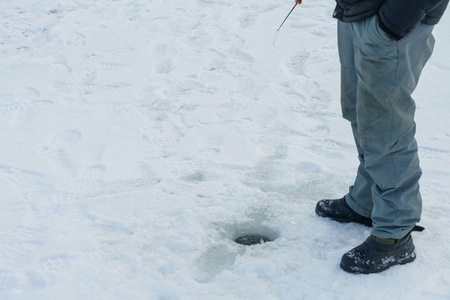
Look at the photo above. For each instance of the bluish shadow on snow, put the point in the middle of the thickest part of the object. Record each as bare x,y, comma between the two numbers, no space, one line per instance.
222,254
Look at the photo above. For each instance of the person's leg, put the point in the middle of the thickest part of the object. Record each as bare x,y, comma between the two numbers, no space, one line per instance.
388,72
359,197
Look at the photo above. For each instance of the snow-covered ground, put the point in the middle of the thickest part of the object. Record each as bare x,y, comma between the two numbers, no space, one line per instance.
139,138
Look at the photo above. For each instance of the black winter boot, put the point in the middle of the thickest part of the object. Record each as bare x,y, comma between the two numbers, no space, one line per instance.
339,211
376,255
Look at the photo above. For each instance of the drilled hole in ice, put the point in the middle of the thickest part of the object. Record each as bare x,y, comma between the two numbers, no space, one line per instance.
252,239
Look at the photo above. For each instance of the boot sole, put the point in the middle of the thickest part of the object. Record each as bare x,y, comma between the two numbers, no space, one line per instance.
323,215
354,270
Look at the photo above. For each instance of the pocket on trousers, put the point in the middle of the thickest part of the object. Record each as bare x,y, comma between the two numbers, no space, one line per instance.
382,34
373,42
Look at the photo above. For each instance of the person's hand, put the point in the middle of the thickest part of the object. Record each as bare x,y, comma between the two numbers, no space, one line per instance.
298,1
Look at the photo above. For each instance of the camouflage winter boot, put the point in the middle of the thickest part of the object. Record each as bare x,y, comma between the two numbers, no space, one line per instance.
339,211
376,255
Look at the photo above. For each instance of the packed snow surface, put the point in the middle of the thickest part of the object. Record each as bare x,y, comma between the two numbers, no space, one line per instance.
139,139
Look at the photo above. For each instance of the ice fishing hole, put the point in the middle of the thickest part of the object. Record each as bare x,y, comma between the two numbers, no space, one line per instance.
249,236
252,239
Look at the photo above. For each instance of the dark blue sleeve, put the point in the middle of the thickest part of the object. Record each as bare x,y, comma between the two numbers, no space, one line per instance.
400,17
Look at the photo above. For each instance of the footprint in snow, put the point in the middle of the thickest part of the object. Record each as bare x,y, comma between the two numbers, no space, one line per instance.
60,143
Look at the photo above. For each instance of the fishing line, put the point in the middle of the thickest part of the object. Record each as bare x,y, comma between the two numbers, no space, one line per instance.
283,23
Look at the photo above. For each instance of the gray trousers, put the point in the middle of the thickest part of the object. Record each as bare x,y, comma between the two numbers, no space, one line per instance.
378,76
